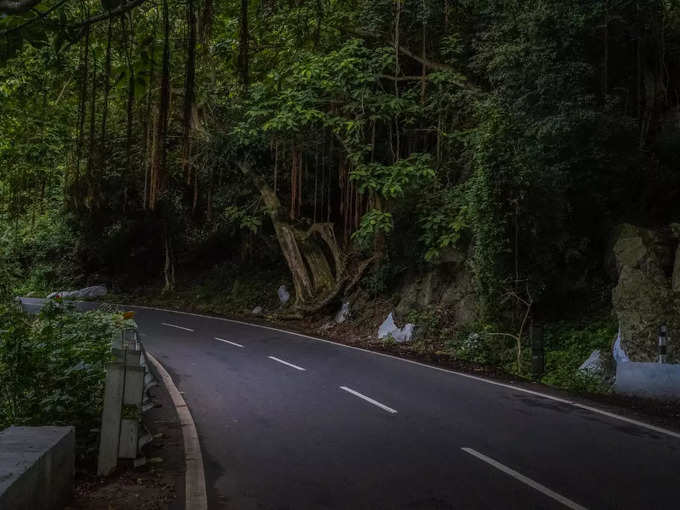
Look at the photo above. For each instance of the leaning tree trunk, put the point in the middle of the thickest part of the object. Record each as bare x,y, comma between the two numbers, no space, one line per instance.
317,265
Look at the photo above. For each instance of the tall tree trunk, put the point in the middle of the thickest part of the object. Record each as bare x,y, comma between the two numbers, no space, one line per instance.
243,44
158,169
129,41
107,80
423,71
397,22
169,265
82,114
92,142
313,274
149,126
189,91
605,64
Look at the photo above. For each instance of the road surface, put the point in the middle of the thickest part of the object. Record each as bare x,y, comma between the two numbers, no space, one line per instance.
290,422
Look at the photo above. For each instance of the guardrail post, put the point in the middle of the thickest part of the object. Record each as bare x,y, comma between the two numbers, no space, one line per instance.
111,416
127,381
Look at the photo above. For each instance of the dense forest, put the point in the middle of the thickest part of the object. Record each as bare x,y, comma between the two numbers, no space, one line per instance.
481,151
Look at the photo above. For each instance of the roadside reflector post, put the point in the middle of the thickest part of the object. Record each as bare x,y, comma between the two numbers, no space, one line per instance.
663,342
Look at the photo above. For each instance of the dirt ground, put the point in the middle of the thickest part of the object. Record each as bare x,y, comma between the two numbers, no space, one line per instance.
157,485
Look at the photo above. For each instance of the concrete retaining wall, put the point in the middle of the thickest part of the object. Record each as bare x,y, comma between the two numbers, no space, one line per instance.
36,467
652,380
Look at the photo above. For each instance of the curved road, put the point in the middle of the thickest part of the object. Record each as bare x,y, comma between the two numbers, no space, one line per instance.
291,422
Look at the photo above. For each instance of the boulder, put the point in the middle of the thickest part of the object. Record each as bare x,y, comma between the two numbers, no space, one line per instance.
343,313
389,329
643,298
594,365
284,295
257,310
87,292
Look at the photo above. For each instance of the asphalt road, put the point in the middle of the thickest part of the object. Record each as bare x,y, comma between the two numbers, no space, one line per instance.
289,422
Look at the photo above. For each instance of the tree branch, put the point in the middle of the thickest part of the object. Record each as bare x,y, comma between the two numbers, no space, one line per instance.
124,7
17,6
109,14
33,20
462,81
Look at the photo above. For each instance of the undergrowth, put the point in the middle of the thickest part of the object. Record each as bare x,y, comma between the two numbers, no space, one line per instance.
53,366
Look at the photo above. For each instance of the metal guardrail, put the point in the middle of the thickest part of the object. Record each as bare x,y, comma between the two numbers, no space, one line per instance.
126,398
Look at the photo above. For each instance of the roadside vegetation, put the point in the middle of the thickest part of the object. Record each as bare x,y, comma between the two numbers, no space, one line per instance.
52,368
462,164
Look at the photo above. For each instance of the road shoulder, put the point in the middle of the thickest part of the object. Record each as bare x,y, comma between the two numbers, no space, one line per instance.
157,485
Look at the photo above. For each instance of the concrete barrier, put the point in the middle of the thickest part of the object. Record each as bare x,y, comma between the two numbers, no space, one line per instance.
652,380
36,467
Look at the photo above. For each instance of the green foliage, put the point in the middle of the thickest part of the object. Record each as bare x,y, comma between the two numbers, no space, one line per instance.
396,180
474,343
474,348
53,367
444,222
380,279
242,219
517,141
373,223
41,251
430,322
537,150
568,345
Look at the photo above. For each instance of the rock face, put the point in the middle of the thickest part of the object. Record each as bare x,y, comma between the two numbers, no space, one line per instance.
87,292
643,298
449,283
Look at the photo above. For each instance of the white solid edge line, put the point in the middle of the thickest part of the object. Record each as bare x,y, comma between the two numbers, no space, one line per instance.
194,476
369,399
528,481
228,342
647,426
286,363
176,326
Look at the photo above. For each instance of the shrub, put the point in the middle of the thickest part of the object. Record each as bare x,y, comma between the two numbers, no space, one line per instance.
52,367
568,345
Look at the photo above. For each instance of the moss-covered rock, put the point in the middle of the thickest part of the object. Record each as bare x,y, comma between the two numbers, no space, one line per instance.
643,298
449,283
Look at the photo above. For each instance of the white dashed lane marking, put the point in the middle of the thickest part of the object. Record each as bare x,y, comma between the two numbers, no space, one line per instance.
528,481
369,400
176,326
286,363
228,342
